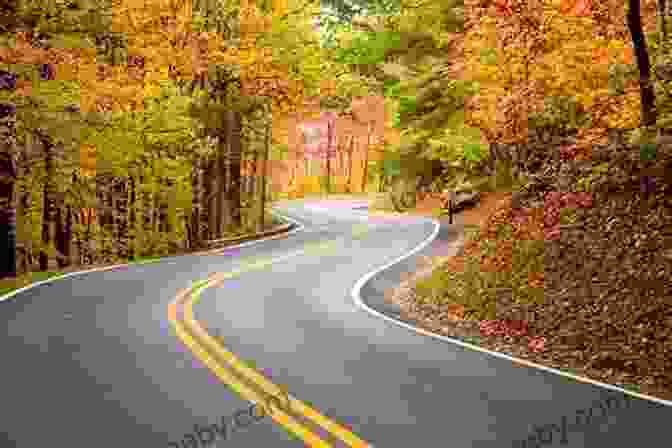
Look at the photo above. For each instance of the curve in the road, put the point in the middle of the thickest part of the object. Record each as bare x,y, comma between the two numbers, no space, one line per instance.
201,346
297,227
400,386
233,371
375,306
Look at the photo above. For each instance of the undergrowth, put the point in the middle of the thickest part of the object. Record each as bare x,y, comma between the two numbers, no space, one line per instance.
498,267
8,285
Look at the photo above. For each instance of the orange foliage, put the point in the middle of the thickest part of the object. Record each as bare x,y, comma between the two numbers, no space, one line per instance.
576,8
544,48
526,225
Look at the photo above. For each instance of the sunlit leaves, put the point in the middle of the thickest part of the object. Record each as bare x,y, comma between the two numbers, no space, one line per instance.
560,54
367,47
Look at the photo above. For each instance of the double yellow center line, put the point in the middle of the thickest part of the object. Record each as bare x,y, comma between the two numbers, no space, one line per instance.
246,381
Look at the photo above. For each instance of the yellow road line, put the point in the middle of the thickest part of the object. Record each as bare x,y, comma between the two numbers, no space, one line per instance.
334,428
280,417
214,279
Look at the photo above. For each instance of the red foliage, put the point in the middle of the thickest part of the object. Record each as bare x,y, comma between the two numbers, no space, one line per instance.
557,200
512,328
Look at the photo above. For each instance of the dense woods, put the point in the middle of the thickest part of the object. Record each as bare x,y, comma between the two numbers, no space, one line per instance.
146,128
564,106
141,128
136,128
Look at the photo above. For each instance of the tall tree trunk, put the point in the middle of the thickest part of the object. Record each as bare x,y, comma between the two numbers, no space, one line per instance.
330,141
351,150
171,215
341,164
647,93
251,178
235,152
366,158
264,173
156,203
110,225
196,205
60,233
49,205
222,212
210,205
101,230
77,220
142,205
114,217
254,177
24,222
24,253
131,217
121,218
7,181
67,250
64,232
161,215
168,198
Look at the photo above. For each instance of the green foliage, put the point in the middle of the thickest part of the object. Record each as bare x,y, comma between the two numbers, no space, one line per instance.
200,23
387,169
647,151
296,45
653,41
560,112
618,75
392,88
279,152
368,48
455,143
164,125
478,290
489,56
567,216
585,183
157,143
407,105
503,178
326,183
641,135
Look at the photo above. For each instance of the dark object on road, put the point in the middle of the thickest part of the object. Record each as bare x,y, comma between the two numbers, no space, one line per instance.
458,200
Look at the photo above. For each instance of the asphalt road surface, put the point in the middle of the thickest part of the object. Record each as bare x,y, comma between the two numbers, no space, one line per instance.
92,360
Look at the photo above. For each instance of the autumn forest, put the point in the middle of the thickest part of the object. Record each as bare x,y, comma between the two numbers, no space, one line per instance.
134,129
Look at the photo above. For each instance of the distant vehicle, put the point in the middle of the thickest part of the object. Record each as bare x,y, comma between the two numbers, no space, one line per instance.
460,199
454,201
466,198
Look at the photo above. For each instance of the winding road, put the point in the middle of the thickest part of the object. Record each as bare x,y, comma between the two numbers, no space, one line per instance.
112,359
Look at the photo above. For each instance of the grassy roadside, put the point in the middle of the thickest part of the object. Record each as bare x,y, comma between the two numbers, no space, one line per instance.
334,196
500,264
7,285
513,290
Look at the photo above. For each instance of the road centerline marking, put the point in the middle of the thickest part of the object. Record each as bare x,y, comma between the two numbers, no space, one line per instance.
225,376
193,295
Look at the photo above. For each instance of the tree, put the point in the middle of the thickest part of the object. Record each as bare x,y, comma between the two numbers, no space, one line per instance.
416,60
264,173
647,94
7,180
142,156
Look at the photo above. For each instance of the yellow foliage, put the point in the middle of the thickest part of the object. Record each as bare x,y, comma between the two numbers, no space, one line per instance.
561,57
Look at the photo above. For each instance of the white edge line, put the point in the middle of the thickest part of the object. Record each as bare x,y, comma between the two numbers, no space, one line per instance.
360,303
299,228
